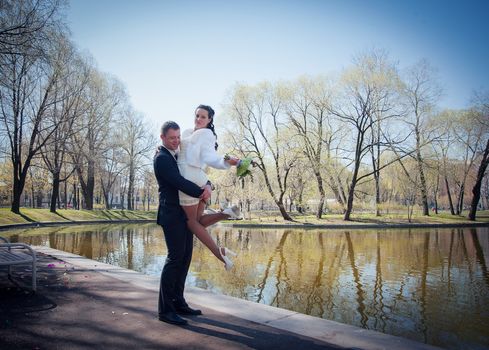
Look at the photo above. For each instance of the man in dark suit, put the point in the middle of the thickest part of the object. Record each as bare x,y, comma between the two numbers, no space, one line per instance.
171,217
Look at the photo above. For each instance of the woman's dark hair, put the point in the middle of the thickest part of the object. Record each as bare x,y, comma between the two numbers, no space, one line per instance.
211,113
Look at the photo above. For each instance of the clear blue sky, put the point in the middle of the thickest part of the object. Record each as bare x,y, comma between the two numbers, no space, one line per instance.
174,55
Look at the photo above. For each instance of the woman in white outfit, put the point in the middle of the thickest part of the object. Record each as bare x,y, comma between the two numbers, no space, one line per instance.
197,152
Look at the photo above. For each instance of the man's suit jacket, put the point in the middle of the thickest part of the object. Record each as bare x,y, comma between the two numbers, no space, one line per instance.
169,183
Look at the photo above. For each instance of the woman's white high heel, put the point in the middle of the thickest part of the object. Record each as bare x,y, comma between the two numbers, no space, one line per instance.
233,212
228,264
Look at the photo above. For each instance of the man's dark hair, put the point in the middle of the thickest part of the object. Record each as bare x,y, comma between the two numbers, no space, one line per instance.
167,126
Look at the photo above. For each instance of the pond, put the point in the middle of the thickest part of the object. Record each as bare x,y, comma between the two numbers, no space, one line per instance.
430,285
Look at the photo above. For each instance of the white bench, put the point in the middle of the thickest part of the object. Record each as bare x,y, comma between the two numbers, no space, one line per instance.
18,254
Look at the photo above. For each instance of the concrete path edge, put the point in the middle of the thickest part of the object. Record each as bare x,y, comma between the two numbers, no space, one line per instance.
317,328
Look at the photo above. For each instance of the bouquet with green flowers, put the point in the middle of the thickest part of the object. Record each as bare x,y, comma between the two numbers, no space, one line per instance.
243,167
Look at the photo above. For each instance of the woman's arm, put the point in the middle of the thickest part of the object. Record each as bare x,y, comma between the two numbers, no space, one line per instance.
208,154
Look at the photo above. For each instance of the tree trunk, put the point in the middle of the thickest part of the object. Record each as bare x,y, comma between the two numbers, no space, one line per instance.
75,203
337,191
419,160
450,202
105,194
88,186
349,203
58,200
476,190
130,189
18,185
54,193
377,193
322,195
123,196
424,194
284,213
16,197
460,202
376,164
39,199
319,212
351,190
106,197
65,196
435,194
342,194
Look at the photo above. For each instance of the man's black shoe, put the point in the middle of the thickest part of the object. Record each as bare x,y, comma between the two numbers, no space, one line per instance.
186,310
173,318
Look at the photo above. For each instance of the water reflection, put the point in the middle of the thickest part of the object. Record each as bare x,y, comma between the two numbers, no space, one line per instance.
427,285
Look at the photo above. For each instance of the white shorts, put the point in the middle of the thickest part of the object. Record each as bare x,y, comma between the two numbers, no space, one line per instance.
197,176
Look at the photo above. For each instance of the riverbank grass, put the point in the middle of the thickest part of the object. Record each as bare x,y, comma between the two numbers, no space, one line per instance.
28,215
365,218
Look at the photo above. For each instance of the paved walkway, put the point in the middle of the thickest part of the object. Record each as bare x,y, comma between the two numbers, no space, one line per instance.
84,304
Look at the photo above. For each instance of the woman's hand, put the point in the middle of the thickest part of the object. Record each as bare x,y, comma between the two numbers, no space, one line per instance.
232,160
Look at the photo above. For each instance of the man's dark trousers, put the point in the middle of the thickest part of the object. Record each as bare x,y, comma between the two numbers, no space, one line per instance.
179,241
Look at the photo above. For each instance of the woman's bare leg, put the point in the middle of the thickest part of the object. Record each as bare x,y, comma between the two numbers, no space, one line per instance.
193,213
210,219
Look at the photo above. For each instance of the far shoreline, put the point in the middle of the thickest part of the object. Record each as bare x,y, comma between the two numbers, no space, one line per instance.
41,217
352,225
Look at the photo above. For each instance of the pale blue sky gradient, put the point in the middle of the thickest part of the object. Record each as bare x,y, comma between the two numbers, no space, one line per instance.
174,55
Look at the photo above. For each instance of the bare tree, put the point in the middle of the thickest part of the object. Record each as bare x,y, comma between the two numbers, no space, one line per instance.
422,93
385,112
111,168
25,24
150,188
363,107
135,141
482,121
103,95
27,80
37,183
64,113
470,134
308,111
300,177
442,146
260,133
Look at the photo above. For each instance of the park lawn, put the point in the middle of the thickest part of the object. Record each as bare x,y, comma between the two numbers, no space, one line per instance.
256,218
28,215
365,218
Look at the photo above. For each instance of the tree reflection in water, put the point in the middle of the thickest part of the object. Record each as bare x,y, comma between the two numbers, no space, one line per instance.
428,285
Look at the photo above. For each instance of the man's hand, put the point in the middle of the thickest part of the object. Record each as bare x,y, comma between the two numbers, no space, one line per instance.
206,195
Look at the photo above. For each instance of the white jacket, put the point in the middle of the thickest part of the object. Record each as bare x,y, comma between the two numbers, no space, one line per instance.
198,150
